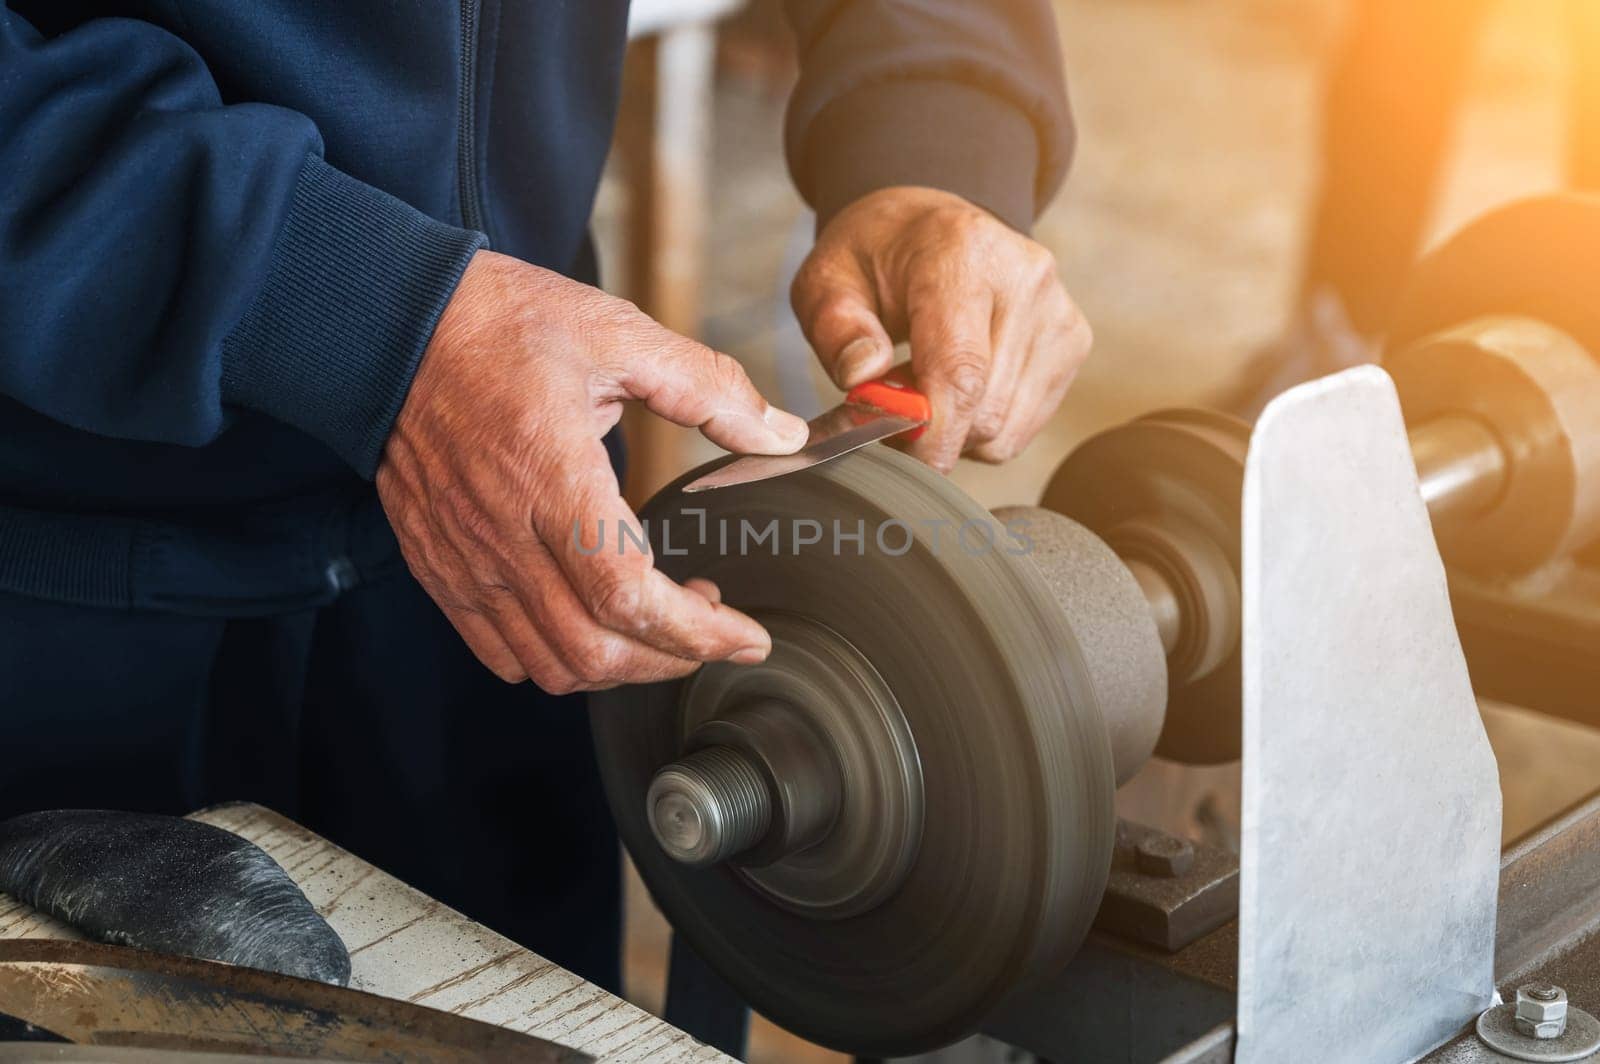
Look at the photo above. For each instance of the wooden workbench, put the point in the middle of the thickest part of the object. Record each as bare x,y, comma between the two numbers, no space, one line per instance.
405,945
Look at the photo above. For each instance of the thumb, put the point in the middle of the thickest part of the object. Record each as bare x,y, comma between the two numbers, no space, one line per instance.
838,310
691,385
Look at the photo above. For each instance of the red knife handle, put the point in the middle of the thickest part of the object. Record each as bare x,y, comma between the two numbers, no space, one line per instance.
895,393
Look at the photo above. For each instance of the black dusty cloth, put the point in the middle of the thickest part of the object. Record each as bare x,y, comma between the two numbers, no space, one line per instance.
171,885
367,720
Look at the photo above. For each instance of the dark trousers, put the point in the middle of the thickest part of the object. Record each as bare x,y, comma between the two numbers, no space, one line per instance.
366,720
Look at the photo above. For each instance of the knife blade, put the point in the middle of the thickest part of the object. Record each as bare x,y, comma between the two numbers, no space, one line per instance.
873,411
59,1053
96,994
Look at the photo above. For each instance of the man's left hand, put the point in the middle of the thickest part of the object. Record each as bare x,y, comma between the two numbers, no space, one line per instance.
995,339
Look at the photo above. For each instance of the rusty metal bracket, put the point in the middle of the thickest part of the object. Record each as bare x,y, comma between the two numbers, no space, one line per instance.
1157,896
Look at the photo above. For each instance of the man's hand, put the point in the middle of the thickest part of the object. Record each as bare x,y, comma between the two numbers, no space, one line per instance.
995,340
496,481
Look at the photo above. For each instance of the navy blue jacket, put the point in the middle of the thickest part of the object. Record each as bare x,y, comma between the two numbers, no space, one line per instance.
227,230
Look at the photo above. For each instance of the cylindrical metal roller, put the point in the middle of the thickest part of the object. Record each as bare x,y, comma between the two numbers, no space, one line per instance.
1531,260
1166,609
1505,430
1461,467
1505,418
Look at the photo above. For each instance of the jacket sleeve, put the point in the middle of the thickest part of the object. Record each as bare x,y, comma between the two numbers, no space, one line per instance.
962,95
166,259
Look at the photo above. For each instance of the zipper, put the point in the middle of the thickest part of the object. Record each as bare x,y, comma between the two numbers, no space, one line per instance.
466,137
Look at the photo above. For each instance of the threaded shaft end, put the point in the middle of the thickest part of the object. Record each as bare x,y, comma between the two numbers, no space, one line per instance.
709,806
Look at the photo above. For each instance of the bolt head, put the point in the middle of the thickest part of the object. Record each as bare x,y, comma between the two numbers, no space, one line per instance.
684,816
679,823
1541,1010
1163,855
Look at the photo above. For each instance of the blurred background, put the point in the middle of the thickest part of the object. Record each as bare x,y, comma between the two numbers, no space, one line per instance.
1237,162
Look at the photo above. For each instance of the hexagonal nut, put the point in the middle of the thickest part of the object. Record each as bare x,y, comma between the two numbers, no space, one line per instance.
1541,1010
1541,1031
1165,856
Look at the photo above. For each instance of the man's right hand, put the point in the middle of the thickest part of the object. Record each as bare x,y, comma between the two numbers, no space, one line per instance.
496,458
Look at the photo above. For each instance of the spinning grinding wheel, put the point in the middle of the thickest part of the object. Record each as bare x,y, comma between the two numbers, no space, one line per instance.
907,810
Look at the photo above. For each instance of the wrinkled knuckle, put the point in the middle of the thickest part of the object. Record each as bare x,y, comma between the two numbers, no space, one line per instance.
701,645
408,521
1067,312
987,425
982,234
426,563
1064,346
836,310
509,672
454,508
491,596
999,450
1040,261
727,376
609,312
619,308
606,661
1082,334
1058,384
587,673
967,377
587,656
551,676
557,683
810,279
929,289
606,334
437,589
961,219
1072,343
617,600
413,553
494,591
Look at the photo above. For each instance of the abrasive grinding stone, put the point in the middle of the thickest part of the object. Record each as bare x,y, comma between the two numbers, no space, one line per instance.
1111,619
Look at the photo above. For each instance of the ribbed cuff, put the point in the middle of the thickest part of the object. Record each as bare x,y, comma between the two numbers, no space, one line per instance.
357,283
938,134
67,558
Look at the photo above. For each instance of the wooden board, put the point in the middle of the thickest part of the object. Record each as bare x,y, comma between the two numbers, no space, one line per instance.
405,945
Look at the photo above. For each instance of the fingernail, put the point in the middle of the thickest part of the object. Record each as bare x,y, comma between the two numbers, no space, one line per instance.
750,656
855,361
786,425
